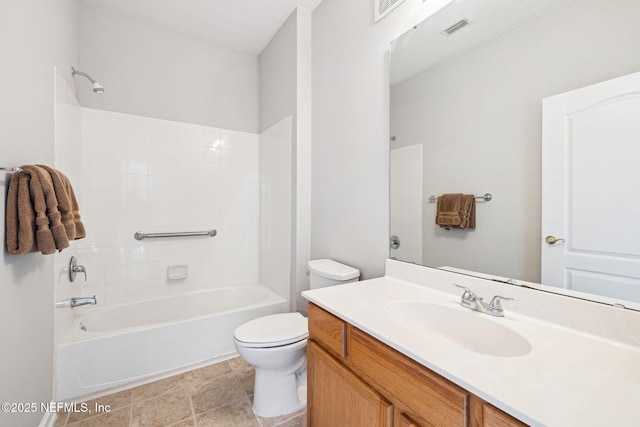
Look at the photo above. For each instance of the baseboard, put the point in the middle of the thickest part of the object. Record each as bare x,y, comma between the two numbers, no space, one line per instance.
49,419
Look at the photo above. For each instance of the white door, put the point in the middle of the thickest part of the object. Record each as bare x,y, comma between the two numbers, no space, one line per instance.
591,189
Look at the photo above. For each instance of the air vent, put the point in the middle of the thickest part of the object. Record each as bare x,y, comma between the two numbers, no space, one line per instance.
456,27
384,7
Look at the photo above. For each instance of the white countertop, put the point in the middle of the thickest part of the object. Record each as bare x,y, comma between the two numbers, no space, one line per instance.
570,377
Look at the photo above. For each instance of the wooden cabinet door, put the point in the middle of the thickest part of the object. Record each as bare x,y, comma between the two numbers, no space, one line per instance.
416,391
485,415
403,420
328,331
338,398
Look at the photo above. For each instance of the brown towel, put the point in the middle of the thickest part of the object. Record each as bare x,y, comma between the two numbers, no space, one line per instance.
80,230
448,210
50,233
20,216
67,203
42,211
468,211
63,201
456,210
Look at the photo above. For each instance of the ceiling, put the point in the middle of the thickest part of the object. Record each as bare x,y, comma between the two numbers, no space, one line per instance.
245,25
425,45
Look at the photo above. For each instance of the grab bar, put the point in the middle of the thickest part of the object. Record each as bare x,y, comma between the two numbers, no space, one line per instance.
140,235
3,168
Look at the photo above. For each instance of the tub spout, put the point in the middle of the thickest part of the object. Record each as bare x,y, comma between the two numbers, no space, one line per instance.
76,302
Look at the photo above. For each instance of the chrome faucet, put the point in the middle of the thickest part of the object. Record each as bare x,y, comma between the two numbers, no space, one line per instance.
77,302
474,302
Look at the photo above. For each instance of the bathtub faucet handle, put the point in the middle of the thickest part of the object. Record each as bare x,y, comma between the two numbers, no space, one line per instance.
74,269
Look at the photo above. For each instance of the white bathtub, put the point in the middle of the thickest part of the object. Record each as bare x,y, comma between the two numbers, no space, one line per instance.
125,344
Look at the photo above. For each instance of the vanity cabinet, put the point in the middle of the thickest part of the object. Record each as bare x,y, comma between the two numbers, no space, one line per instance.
340,397
356,380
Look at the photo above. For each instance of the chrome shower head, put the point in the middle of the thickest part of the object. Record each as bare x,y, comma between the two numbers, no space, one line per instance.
97,87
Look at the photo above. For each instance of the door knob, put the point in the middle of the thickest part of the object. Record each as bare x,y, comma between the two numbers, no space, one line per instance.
552,240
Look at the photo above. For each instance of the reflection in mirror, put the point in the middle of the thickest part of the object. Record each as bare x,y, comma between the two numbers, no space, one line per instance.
467,117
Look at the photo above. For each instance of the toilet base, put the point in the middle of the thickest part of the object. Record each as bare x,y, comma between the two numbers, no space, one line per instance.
277,393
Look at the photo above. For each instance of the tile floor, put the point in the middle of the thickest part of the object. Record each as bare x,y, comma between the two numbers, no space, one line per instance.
218,395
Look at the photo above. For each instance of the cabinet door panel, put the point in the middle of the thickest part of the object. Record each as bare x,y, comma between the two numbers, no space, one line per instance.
404,421
338,398
327,330
430,399
484,414
493,417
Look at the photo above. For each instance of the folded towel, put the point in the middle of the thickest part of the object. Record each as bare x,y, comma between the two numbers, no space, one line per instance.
64,204
50,233
20,216
80,230
448,210
42,211
67,203
468,211
456,210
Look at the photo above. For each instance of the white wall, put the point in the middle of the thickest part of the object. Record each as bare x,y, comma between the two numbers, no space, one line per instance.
153,71
350,154
275,207
152,175
302,154
278,75
479,117
285,90
35,36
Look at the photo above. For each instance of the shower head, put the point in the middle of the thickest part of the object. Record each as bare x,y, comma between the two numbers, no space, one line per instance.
97,87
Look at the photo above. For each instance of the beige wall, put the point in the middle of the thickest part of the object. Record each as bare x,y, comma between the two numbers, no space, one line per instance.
35,36
478,116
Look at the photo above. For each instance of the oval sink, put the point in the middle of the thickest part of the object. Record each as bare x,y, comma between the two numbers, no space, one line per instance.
467,329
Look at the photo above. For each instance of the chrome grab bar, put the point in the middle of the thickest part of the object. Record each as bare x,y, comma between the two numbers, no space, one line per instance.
3,168
139,235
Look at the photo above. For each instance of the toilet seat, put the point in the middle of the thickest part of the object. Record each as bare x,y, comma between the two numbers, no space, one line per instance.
275,330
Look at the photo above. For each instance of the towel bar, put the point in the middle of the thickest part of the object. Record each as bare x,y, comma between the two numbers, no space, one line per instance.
486,197
3,168
139,235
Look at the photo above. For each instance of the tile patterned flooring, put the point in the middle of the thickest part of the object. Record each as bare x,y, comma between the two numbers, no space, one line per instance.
218,395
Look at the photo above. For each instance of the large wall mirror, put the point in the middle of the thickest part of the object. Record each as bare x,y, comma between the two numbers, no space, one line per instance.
467,91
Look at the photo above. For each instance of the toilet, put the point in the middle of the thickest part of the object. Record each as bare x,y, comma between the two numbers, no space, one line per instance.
276,346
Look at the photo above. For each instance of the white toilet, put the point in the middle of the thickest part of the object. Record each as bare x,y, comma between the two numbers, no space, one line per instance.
276,346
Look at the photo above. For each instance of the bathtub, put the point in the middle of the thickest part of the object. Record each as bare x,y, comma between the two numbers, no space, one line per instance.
126,344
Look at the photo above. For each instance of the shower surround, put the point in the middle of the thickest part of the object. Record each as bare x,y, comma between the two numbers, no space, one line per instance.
143,174
135,173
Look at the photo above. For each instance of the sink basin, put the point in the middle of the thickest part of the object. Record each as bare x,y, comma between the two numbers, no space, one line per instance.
469,330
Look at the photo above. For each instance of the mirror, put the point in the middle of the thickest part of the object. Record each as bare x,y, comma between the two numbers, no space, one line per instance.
467,88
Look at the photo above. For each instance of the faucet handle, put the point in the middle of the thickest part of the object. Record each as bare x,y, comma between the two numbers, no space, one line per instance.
468,294
74,269
496,303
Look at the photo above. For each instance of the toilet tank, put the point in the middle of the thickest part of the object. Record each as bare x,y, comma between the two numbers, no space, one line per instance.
326,272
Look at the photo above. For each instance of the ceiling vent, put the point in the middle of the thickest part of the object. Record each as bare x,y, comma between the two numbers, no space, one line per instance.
384,7
456,27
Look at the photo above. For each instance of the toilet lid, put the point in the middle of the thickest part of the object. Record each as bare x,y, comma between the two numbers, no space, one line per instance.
272,331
